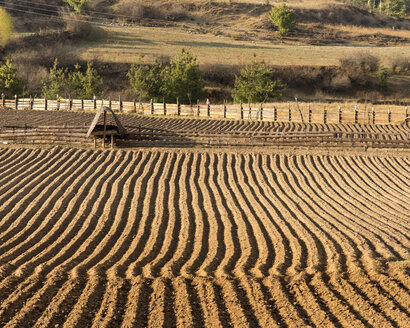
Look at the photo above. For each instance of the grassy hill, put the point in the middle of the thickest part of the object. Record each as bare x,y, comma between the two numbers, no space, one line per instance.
223,35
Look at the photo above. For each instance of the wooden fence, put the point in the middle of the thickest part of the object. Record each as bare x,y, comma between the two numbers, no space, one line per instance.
278,112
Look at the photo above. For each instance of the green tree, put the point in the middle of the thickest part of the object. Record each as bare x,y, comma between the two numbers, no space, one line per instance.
88,84
398,8
256,84
6,27
146,80
182,79
77,5
10,84
283,18
56,83
382,77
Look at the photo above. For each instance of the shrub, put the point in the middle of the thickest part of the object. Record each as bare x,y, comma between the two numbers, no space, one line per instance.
360,62
255,84
400,64
77,5
398,8
10,84
283,18
182,79
382,77
6,27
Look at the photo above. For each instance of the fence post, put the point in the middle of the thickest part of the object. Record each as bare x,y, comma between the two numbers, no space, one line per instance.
250,111
199,107
290,114
17,102
82,103
3,99
31,103
58,103
325,116
261,113
95,102
405,109
224,108
120,100
356,114
152,107
135,106
165,106
310,115
373,116
340,114
241,111
70,103
275,113
45,102
109,102
209,110
178,107
389,115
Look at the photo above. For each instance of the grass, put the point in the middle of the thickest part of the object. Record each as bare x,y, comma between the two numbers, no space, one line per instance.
124,44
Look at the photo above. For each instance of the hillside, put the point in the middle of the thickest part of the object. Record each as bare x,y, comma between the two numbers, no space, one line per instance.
223,35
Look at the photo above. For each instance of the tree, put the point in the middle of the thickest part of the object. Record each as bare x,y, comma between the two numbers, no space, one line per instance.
6,27
146,80
86,85
56,83
10,84
398,8
182,79
77,5
256,84
283,18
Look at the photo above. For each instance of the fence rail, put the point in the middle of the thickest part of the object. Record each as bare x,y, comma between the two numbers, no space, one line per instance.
279,112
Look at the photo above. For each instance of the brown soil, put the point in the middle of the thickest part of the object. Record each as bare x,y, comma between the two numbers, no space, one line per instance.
203,238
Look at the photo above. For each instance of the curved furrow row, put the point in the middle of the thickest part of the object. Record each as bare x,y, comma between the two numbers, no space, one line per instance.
15,191
395,169
203,248
250,250
365,271
384,188
369,219
371,201
26,221
351,252
172,218
380,170
216,240
51,263
157,217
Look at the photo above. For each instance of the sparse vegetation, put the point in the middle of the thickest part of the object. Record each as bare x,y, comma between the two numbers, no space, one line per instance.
283,18
256,84
6,27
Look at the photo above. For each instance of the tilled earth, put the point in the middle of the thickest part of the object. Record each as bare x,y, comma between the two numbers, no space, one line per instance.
203,238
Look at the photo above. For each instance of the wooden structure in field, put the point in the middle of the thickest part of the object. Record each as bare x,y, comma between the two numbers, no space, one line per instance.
106,130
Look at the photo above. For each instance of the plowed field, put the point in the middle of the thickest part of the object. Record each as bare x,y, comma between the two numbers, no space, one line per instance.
211,238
